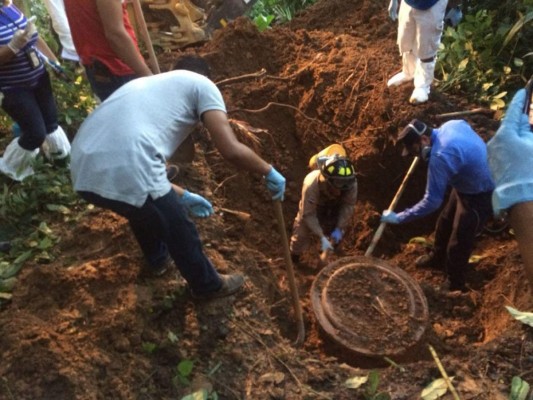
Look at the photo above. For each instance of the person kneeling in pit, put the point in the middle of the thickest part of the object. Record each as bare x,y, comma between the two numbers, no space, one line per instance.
328,201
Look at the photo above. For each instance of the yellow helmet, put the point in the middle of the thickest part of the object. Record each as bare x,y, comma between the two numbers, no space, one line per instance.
339,172
335,150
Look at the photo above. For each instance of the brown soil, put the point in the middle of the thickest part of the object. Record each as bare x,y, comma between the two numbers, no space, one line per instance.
82,326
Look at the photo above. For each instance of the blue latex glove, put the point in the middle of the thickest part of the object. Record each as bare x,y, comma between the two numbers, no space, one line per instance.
336,235
511,157
389,217
325,244
454,16
393,10
276,184
196,204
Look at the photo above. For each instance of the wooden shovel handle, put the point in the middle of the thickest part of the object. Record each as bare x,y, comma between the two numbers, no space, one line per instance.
290,272
392,206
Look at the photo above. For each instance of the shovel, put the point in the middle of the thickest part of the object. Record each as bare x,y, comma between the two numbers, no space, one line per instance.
290,273
392,206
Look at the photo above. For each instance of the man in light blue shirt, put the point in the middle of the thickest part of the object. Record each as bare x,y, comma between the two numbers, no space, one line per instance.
118,162
457,158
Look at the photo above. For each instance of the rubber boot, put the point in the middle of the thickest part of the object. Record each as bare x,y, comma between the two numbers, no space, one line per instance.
17,162
408,70
56,145
423,78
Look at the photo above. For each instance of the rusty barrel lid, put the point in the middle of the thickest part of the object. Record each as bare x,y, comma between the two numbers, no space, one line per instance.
369,306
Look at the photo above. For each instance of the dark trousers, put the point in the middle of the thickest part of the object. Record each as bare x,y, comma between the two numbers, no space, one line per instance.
34,109
462,217
103,82
161,227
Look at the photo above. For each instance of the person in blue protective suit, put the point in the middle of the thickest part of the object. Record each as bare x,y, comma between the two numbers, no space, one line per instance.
510,160
118,163
457,158
420,27
26,96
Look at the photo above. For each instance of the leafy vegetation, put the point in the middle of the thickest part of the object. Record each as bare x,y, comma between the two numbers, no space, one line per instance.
488,55
267,12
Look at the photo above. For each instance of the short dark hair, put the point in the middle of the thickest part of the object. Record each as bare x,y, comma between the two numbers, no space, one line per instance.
411,134
193,63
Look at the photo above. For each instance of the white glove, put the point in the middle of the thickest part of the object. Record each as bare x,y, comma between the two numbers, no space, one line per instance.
325,244
393,10
22,37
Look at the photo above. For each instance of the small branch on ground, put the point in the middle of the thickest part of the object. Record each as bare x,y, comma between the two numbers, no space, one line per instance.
272,103
467,112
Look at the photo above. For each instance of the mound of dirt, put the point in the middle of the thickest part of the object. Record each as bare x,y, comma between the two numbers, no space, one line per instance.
89,325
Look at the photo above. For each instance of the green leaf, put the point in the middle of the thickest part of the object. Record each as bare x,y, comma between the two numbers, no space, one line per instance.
522,316
172,337
519,389
185,367
355,382
462,65
198,395
373,382
7,270
149,347
7,285
435,390
59,208
518,62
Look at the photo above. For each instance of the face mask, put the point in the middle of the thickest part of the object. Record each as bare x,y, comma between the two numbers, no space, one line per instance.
425,152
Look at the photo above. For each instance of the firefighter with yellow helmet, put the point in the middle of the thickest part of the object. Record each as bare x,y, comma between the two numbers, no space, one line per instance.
329,193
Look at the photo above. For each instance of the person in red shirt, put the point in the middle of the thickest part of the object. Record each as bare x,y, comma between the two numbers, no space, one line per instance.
105,41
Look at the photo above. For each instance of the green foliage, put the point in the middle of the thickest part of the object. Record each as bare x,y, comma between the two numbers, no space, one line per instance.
487,56
266,12
371,388
149,347
183,372
519,389
27,209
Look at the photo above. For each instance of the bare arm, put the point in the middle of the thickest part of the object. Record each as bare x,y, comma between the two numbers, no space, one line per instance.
522,222
110,12
43,48
229,147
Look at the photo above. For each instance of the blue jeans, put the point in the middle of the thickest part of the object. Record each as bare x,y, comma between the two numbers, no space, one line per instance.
34,109
103,82
162,226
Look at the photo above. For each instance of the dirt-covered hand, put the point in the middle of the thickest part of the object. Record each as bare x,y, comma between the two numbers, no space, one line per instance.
196,204
511,156
276,184
389,217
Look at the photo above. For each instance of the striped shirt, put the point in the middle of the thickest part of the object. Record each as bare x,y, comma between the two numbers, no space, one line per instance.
17,72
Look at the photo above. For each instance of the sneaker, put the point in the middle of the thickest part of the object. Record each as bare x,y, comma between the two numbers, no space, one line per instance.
230,284
161,269
172,172
428,261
